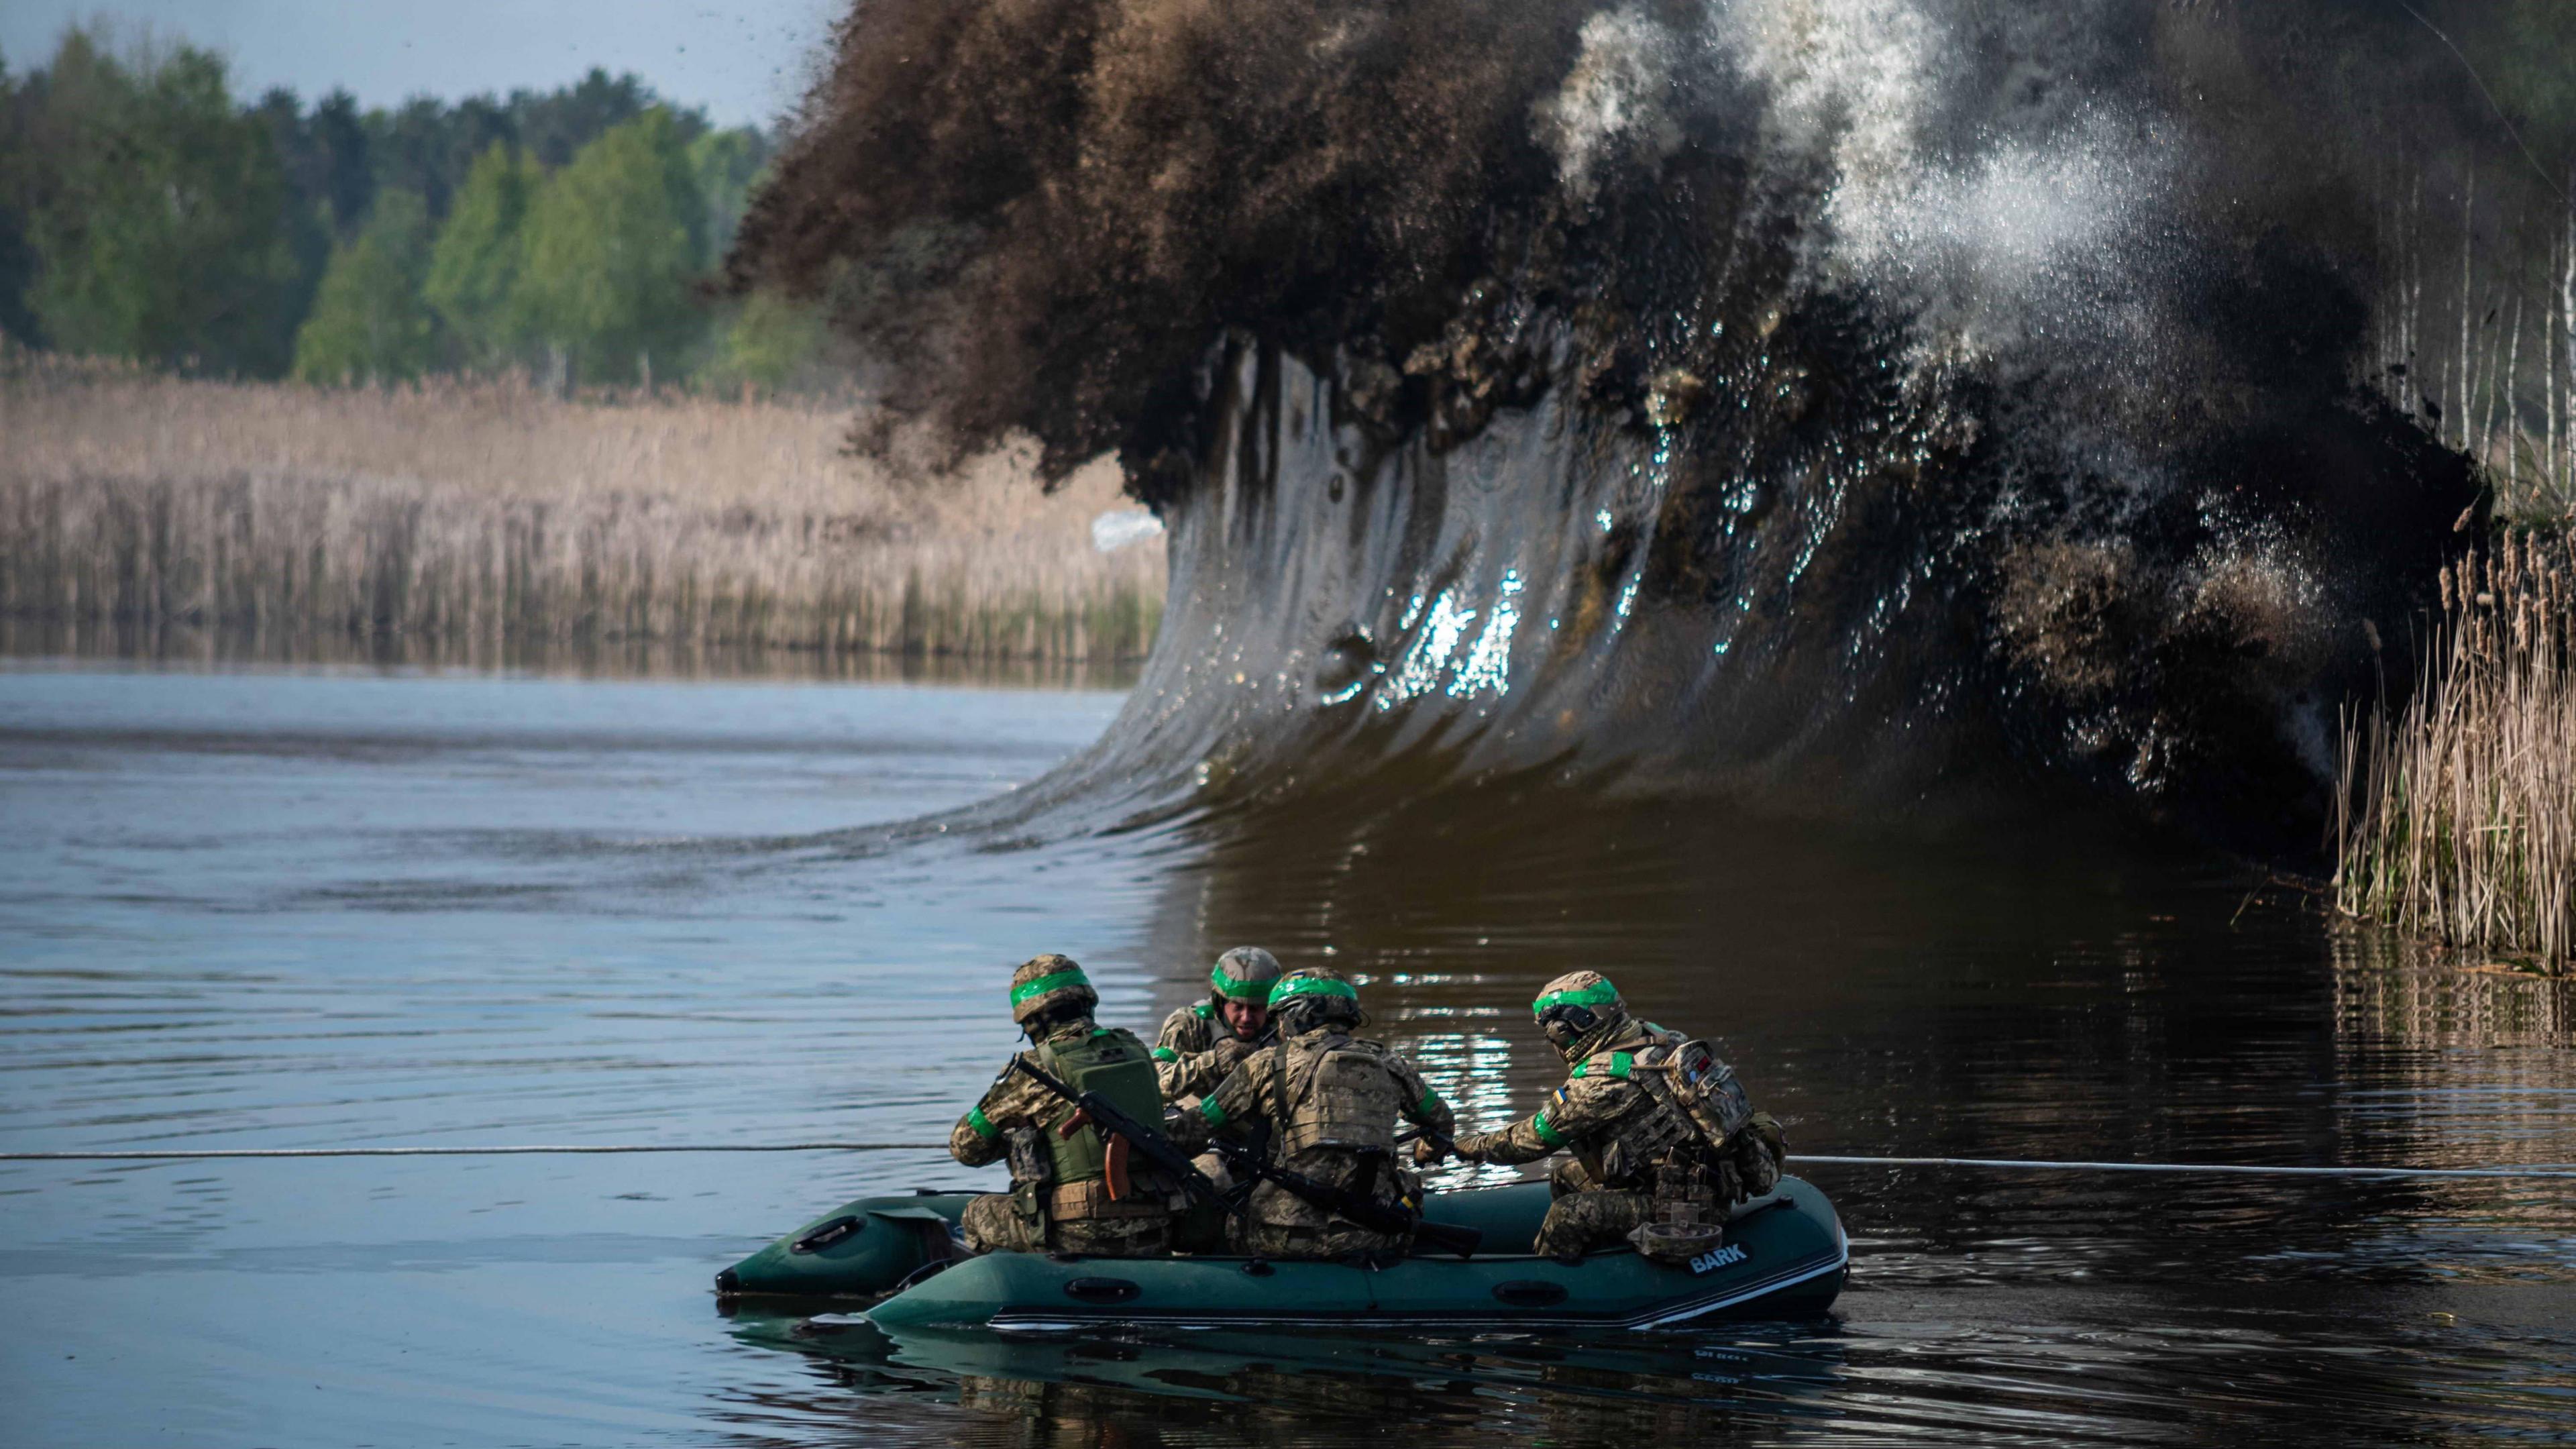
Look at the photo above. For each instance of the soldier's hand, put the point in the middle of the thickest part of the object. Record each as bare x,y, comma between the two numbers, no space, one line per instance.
1426,1152
1471,1148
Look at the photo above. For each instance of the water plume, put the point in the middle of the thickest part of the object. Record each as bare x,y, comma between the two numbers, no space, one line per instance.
1820,400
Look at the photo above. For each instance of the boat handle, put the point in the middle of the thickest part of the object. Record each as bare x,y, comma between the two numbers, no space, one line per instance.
826,1234
1101,1290
1530,1293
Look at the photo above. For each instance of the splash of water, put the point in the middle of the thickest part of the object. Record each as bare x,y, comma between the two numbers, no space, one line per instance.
1817,398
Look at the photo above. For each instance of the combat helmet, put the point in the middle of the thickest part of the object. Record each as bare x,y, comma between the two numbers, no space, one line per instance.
1580,1011
1245,973
1045,986
1314,996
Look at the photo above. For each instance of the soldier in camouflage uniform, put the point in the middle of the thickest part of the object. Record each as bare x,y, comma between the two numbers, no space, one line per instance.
1654,1128
1200,1044
1330,1101
1071,1188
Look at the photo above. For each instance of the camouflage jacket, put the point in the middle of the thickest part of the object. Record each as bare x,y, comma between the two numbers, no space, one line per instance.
1276,1085
1601,1115
1195,1051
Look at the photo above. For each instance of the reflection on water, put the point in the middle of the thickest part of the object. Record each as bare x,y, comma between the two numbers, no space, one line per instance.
166,645
2211,1375
302,908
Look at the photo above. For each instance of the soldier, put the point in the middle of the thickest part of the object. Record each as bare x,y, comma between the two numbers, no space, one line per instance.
1661,1140
1200,1044
1330,1101
1071,1190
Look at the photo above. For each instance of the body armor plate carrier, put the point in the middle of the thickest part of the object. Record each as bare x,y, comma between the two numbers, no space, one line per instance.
1115,1064
1338,1097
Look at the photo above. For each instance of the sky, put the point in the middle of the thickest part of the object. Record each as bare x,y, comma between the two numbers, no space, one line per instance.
744,61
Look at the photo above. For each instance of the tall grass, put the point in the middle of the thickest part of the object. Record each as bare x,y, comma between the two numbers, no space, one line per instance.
489,514
2457,817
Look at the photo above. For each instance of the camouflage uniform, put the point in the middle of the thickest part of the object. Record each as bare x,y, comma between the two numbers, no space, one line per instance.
1632,1154
1067,1193
1195,1049
1329,1100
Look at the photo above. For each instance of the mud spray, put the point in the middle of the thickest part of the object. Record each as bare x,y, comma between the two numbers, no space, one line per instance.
1835,403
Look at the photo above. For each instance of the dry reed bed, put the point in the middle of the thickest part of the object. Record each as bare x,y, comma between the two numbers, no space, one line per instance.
2458,814
491,512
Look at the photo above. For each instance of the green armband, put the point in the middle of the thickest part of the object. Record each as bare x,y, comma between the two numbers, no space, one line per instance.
1214,1114
1430,1100
1546,1130
982,1124
1166,1054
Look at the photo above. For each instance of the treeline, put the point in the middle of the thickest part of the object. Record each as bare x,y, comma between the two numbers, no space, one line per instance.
147,214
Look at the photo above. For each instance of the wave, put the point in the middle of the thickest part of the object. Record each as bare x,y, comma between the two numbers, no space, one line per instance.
1834,402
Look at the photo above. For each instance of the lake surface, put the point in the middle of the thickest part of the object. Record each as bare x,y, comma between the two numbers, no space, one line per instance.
285,909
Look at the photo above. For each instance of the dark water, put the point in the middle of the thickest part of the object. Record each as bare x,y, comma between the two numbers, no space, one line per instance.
287,909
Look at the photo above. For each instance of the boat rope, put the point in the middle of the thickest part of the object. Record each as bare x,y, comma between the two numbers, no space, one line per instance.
2235,1169
572,1149
1801,1159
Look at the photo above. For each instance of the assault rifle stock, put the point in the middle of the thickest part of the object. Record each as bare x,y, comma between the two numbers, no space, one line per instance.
1146,1141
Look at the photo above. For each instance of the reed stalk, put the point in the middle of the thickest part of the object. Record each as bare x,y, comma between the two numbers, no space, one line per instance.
2457,813
489,514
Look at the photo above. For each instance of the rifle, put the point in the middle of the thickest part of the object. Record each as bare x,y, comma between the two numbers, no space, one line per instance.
1369,1212
1147,1142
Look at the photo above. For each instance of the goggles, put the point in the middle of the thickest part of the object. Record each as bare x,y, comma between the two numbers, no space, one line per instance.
1566,1023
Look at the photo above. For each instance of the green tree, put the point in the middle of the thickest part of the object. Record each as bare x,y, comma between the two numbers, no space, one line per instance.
474,268
368,319
17,254
158,213
772,341
728,165
615,242
2525,51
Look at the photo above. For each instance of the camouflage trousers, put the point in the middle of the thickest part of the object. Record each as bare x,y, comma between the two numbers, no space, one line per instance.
1578,1222
993,1224
1292,1242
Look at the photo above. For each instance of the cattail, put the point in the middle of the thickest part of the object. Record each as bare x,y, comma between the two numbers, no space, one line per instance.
2458,812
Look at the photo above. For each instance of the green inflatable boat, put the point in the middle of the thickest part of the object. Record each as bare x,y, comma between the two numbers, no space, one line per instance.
1784,1257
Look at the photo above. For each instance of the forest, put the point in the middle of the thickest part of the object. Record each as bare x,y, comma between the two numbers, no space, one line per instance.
149,214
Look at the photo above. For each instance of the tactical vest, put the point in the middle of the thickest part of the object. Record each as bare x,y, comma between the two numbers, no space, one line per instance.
1691,1100
1339,1094
1113,1063
1644,1135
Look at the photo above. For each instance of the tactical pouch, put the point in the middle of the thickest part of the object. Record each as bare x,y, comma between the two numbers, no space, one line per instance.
1032,1169
1684,1202
1694,1082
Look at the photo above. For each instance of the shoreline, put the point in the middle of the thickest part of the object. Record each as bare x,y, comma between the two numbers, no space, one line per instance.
467,522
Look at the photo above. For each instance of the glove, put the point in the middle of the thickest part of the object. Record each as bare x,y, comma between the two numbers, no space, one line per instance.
1426,1152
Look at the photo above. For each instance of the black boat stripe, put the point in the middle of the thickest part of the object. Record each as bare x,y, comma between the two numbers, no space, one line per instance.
1008,1320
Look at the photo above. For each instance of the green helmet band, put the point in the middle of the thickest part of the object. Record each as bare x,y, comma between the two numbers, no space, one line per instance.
1045,984
1310,986
1233,990
1599,993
